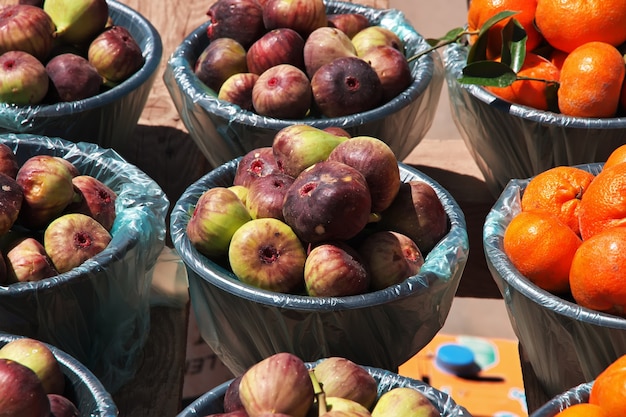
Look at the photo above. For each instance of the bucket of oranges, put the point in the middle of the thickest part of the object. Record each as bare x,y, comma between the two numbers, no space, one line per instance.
553,94
555,244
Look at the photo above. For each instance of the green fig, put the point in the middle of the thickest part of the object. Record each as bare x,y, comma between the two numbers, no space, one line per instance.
77,21
344,404
404,402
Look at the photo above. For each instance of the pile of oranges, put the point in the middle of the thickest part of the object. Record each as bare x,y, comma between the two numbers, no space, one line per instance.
574,44
570,236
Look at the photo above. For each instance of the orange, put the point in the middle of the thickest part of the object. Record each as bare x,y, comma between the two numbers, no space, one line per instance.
616,157
567,24
604,203
582,410
558,191
531,93
597,278
557,57
591,80
541,247
480,11
609,392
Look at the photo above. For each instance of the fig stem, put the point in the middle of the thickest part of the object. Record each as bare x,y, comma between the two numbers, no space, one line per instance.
319,393
438,43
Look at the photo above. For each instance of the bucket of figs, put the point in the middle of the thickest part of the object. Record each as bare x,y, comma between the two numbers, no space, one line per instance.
332,386
383,84
41,380
321,244
77,72
81,231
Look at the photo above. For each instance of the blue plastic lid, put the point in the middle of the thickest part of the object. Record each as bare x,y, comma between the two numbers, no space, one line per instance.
456,359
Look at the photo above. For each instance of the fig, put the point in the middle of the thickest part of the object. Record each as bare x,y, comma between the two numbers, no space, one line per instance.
346,413
237,89
11,197
61,406
236,413
324,45
278,46
391,258
77,21
240,191
72,78
115,54
232,402
21,391
335,270
241,20
343,378
303,16
4,273
262,387
95,199
374,36
46,182
392,68
38,357
38,3
377,162
266,194
348,23
254,164
404,402
344,404
283,92
218,61
72,239
217,215
27,261
418,213
345,86
266,253
26,28
327,201
23,79
8,161
298,146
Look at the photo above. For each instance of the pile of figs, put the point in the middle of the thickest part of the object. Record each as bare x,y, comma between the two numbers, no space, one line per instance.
333,386
290,59
319,213
52,218
62,51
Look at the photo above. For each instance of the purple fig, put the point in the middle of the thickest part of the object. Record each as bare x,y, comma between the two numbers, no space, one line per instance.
266,194
232,402
21,391
61,406
338,131
27,261
11,197
404,402
391,258
95,199
23,79
72,78
278,46
26,28
343,378
77,21
241,20
303,16
374,36
335,270
324,45
115,54
8,161
346,86
254,164
327,201
348,23
38,3
218,61
72,239
265,253
392,68
283,92
236,413
262,388
217,215
237,89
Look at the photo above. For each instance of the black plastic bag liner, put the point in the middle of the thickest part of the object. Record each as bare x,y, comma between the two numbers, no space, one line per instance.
566,344
107,119
510,141
243,324
223,131
98,312
81,386
577,395
212,402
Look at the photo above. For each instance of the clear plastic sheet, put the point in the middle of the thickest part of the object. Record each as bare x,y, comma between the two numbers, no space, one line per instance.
224,131
81,385
512,141
243,324
213,401
107,119
99,312
565,344
577,395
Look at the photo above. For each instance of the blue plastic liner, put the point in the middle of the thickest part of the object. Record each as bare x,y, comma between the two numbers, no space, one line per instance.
107,119
577,395
213,401
565,344
223,131
99,312
243,324
510,141
81,386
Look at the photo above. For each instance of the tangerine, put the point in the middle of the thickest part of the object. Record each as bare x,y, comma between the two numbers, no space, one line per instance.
541,247
609,392
616,157
582,410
